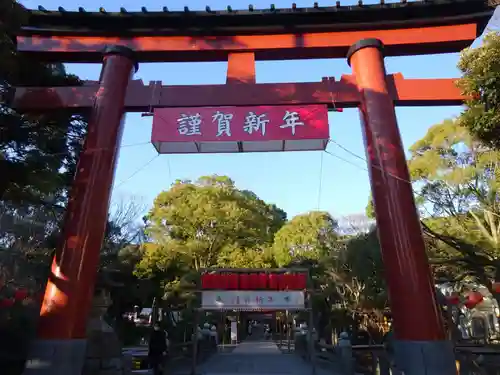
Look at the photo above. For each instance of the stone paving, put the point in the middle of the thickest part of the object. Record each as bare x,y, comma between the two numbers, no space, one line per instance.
258,358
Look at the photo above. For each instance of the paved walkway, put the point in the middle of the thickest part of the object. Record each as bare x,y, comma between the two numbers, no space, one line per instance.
257,357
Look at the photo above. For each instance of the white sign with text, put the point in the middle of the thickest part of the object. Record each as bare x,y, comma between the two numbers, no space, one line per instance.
252,300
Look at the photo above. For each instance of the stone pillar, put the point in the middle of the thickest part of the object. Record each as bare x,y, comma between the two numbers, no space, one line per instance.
104,349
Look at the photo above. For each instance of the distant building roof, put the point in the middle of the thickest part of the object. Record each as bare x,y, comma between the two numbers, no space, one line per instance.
354,224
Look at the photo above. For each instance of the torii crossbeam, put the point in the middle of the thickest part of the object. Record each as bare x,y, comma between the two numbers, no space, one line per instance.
341,94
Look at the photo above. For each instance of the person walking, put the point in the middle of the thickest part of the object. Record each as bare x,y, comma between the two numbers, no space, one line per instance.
157,349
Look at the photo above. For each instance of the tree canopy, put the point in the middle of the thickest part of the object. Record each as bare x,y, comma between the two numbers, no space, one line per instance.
458,180
38,152
307,236
480,82
38,155
200,220
207,223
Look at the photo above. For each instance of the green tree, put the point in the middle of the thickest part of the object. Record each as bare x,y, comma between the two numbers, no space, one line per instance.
307,236
370,208
12,16
458,179
348,281
38,154
202,224
361,260
236,257
198,220
481,83
452,257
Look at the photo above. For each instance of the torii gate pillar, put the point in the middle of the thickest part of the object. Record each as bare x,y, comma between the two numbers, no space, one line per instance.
60,345
420,344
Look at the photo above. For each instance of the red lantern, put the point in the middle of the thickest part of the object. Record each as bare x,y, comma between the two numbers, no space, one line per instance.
205,281
290,281
215,282
232,281
287,281
244,281
254,281
301,281
296,282
8,302
496,287
262,281
20,294
473,299
222,281
281,281
454,299
227,277
211,281
274,282
237,281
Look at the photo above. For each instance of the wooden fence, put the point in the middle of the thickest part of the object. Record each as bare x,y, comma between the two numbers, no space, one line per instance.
374,359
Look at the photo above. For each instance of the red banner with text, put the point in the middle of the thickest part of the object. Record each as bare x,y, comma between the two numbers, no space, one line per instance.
241,124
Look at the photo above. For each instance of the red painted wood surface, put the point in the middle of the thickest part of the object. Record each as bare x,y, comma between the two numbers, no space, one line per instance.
398,41
141,97
70,287
407,270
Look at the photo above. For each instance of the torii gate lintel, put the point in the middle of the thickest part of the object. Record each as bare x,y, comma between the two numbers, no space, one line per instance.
340,93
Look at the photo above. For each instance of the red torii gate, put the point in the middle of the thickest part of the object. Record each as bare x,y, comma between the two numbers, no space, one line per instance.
365,34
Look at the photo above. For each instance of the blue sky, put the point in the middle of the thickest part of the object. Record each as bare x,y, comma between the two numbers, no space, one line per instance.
291,180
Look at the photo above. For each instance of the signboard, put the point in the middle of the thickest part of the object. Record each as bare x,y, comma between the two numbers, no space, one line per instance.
252,300
240,129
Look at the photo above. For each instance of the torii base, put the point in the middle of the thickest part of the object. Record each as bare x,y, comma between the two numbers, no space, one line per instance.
56,357
425,357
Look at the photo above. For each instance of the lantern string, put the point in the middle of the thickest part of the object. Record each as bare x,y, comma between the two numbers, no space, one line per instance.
363,159
374,166
169,172
97,149
137,171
